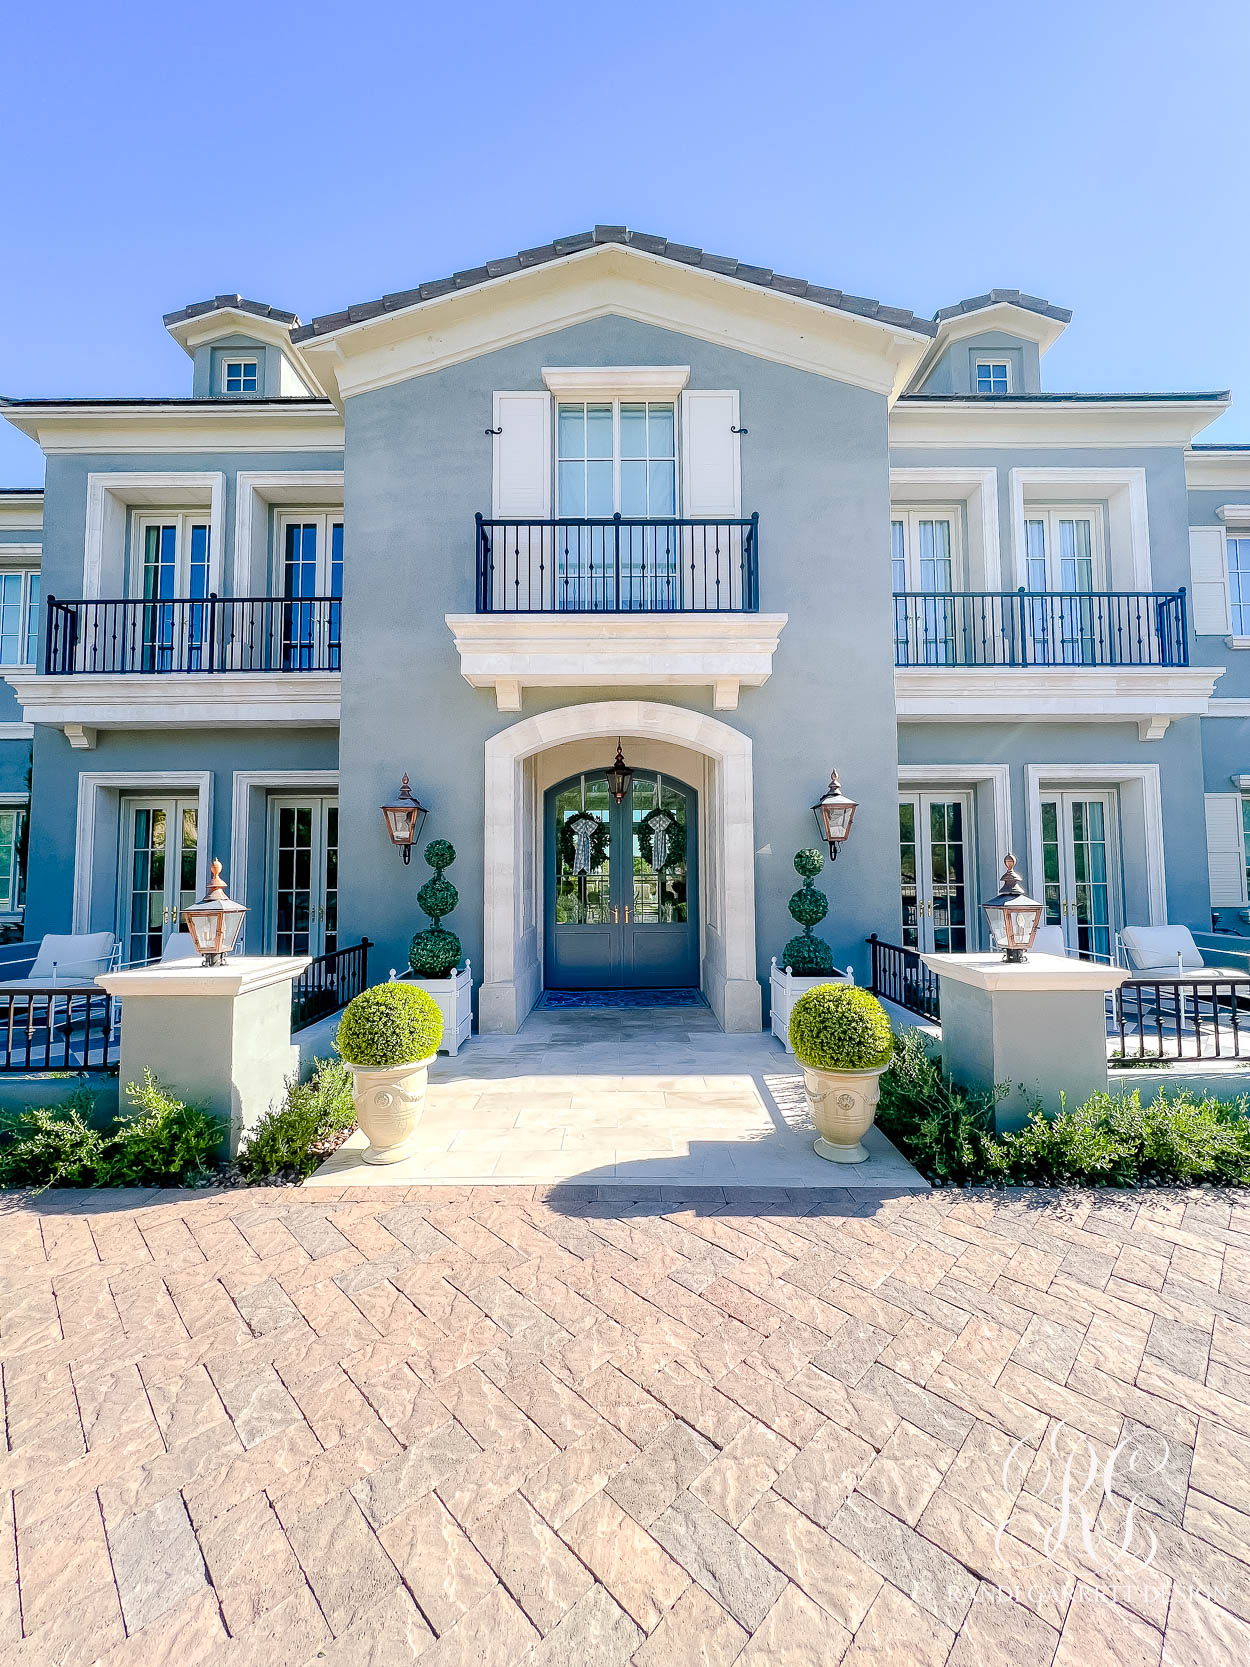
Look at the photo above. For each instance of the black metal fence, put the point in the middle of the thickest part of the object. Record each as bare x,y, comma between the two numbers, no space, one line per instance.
1178,1019
1034,628
329,983
217,634
900,976
53,1029
617,565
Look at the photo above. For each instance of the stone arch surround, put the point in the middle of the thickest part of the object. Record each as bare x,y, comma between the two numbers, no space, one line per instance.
512,973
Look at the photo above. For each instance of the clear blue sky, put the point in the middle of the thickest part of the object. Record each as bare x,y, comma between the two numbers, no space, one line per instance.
313,155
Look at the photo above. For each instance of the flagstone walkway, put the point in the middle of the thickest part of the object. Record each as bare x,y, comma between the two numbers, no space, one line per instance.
478,1428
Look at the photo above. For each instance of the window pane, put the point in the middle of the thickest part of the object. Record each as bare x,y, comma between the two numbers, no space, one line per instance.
633,431
661,431
571,431
34,588
599,431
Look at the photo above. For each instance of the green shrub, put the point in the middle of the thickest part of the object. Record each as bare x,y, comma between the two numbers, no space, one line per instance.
51,1146
159,1141
837,1027
292,1138
806,955
389,1025
945,1132
435,953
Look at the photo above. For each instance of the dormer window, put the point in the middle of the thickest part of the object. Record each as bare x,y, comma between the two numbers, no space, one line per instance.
240,376
993,376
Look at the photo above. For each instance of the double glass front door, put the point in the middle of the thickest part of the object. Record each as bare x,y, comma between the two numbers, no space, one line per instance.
621,891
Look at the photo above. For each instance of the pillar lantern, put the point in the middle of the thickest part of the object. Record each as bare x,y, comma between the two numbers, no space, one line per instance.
404,820
834,813
215,921
1013,915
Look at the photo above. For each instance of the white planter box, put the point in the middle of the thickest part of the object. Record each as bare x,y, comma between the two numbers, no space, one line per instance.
786,990
454,996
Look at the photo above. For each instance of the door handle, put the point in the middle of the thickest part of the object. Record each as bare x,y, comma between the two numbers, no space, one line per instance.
616,915
627,914
1065,906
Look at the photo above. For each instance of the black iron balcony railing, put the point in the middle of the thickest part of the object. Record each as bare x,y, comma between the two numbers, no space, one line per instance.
1040,628
617,565
218,634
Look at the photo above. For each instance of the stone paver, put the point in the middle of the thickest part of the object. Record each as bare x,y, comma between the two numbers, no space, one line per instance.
514,1427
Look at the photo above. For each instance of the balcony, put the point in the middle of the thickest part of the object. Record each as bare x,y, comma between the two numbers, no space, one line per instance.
617,565
1035,628
617,602
219,635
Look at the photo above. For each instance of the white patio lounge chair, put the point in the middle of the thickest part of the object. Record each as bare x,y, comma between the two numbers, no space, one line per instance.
1169,954
68,960
1049,940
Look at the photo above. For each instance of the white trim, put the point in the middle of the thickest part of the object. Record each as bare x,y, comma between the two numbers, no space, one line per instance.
617,381
1228,707
215,700
1128,530
21,555
21,511
242,357
17,732
1020,421
1221,471
201,425
1150,696
989,360
977,489
1237,642
255,490
247,782
91,783
110,498
512,973
932,776
1061,777
1234,515
1022,322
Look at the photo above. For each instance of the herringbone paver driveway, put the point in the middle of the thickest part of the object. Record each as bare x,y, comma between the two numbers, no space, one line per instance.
482,1428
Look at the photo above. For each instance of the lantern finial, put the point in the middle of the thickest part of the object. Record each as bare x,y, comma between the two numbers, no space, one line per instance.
216,920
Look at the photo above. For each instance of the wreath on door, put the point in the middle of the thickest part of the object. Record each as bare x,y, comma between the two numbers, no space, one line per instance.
661,840
583,842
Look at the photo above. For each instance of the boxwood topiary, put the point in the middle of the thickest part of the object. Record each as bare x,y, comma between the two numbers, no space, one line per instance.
837,1027
389,1025
806,954
435,953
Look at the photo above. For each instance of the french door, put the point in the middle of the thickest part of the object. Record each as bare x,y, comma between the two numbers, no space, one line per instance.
170,571
922,559
1080,870
303,880
160,852
311,548
936,858
1064,559
621,893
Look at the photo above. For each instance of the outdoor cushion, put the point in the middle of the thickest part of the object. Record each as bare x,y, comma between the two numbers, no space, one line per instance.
1158,946
73,956
178,947
1048,940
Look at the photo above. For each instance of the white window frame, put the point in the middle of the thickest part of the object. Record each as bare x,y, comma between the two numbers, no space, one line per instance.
324,520
990,363
183,520
255,361
14,907
1122,492
1052,514
26,663
1238,613
616,401
112,498
911,515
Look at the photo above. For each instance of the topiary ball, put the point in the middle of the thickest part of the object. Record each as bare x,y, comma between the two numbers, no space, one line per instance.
434,953
839,1027
806,955
440,853
437,897
389,1025
809,907
809,863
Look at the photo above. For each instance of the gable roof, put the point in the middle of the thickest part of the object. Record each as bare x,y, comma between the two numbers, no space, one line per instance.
682,254
229,303
1003,298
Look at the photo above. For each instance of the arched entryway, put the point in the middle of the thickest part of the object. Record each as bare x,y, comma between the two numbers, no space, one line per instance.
514,868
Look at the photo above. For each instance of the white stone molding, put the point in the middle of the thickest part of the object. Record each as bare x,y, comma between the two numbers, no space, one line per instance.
512,976
617,381
110,498
512,652
254,491
978,490
82,737
954,423
196,700
1128,529
1149,696
21,555
93,784
1145,776
202,425
998,777
17,732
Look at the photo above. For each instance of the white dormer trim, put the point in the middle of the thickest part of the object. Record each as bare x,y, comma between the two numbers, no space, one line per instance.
1234,515
207,329
977,490
1128,555
1003,316
110,497
617,381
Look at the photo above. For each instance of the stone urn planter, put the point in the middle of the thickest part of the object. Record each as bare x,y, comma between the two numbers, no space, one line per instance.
389,1036
841,1037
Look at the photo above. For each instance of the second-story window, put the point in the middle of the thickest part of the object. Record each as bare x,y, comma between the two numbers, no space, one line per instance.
922,552
240,376
1239,584
993,376
310,557
19,618
170,557
616,456
1063,549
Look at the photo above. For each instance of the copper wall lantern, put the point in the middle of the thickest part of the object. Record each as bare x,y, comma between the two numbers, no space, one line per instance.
404,820
1013,915
834,813
215,921
620,776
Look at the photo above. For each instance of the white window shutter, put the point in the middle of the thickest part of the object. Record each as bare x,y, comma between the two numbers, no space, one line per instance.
522,473
1226,857
711,483
1208,582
